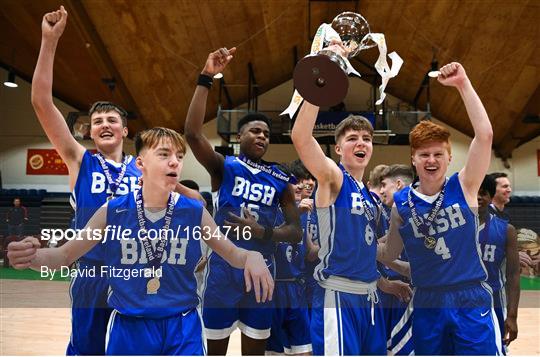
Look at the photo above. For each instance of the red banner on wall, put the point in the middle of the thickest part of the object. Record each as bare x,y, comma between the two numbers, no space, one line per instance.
45,162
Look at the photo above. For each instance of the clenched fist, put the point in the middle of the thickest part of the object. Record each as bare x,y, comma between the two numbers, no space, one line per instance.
54,23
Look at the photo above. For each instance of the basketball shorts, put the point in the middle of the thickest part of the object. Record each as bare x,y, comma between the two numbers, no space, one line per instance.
346,324
226,305
178,335
89,312
499,301
398,321
290,321
458,320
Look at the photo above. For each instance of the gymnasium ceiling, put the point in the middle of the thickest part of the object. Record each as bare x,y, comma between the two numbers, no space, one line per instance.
155,49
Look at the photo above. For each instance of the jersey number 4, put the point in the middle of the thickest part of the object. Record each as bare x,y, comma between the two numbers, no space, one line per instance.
441,249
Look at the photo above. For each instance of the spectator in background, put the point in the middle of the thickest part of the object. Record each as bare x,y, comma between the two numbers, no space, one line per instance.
502,195
529,259
16,217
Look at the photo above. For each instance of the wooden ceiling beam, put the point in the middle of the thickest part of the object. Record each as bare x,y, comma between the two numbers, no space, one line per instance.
520,132
103,61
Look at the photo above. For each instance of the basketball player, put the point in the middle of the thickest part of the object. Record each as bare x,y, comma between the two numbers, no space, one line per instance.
155,307
304,195
498,246
250,193
93,178
345,317
374,186
289,333
394,291
435,220
395,299
374,181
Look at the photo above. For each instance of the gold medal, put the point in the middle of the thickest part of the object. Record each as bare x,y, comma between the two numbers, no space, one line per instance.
152,286
430,242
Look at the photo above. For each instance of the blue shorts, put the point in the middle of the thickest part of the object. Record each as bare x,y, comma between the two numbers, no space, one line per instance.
227,305
398,321
499,301
178,335
89,313
346,324
455,321
290,321
311,285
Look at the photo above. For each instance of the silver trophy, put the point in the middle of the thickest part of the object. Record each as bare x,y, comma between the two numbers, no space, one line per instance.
321,77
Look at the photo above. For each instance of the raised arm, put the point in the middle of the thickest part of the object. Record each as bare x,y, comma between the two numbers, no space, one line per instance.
475,169
51,119
512,285
390,251
27,253
193,128
328,175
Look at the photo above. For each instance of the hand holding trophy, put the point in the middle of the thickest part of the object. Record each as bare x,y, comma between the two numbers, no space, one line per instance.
321,76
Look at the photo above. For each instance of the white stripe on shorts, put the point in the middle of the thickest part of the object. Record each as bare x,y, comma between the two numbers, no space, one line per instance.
332,324
404,318
109,328
494,320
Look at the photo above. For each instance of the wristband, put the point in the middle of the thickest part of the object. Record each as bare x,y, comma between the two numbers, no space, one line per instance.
205,81
268,233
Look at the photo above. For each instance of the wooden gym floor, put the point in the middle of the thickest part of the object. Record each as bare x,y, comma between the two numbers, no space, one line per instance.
26,329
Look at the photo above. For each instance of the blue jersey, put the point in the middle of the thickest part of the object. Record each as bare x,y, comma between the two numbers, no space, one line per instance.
347,239
178,290
290,256
92,190
254,189
493,248
384,226
455,258
384,219
312,226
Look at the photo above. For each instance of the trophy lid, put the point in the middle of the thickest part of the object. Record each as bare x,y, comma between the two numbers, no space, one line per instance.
353,28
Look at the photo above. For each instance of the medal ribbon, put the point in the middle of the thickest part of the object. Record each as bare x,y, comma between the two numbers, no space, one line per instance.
369,213
113,184
264,167
424,225
154,257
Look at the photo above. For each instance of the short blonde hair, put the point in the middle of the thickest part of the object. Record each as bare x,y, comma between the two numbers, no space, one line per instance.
151,138
428,132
